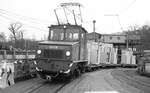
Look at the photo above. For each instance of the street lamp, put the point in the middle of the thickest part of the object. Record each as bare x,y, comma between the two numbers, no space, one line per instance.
94,21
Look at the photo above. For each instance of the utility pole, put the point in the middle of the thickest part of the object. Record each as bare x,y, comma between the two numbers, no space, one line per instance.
94,30
127,46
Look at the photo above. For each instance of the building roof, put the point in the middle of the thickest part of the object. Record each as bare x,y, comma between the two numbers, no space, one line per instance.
134,37
113,34
94,33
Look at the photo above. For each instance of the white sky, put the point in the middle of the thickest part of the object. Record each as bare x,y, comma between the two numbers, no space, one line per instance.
39,14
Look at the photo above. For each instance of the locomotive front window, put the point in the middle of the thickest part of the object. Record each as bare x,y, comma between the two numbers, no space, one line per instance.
64,34
72,34
57,34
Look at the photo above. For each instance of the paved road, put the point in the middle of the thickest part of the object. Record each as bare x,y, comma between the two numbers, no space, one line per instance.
107,80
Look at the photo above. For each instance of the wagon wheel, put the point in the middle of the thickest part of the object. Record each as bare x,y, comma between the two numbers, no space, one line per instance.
83,70
89,69
77,73
72,76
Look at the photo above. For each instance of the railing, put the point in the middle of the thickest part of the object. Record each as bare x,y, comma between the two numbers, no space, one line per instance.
6,54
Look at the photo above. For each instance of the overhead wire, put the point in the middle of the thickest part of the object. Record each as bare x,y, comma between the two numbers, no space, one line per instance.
128,7
24,17
11,19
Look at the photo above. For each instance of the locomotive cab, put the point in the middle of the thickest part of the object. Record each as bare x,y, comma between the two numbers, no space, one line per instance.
64,53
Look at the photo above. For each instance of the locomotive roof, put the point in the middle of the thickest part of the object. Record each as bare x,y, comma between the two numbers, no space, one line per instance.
56,43
68,26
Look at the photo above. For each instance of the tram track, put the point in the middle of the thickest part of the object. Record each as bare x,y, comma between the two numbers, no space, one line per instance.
73,83
47,87
130,80
57,90
114,80
32,89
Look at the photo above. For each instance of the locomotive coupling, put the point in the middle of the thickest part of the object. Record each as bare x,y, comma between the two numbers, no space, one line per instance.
38,69
66,72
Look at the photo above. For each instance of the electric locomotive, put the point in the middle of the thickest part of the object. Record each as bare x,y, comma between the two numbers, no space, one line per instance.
64,53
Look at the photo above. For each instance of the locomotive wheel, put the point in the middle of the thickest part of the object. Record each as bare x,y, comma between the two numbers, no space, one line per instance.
89,69
33,75
143,70
83,70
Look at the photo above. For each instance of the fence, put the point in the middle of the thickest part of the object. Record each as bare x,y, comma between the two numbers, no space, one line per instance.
15,64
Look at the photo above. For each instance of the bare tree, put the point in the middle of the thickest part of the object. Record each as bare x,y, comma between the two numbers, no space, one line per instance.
22,34
17,34
16,31
143,32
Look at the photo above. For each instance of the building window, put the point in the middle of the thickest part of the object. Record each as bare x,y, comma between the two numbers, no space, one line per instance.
118,38
110,37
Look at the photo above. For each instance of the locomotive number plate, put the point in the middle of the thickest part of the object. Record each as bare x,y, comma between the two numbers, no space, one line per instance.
48,47
53,47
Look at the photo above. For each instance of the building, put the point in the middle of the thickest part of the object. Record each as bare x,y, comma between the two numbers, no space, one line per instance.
113,38
121,42
134,41
116,40
94,37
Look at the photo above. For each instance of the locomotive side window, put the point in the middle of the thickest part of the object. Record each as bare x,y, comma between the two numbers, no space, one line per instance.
52,32
62,36
76,36
70,35
82,35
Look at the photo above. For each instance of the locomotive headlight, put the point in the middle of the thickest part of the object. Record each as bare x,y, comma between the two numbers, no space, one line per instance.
68,53
39,52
